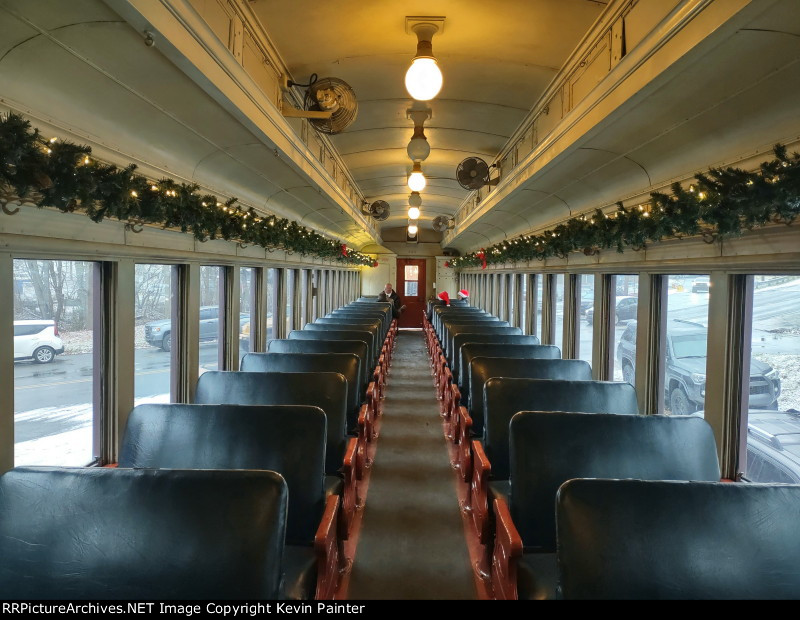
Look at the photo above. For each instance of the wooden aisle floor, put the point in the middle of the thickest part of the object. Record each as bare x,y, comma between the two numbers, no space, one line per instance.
411,543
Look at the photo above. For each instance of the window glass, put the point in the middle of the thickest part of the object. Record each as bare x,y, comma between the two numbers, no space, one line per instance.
270,276
585,327
773,401
686,344
246,305
289,300
538,306
54,409
152,359
623,324
559,317
211,281
411,274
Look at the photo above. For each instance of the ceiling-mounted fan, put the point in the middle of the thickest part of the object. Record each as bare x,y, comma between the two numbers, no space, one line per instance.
330,104
379,210
473,173
443,223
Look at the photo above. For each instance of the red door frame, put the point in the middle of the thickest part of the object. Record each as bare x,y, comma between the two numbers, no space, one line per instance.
415,306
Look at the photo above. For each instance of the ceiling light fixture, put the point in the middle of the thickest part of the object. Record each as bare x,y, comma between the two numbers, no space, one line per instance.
414,203
424,78
416,182
412,229
413,213
418,148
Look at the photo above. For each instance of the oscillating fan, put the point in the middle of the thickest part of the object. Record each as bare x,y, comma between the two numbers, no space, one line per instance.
378,210
443,223
473,173
330,104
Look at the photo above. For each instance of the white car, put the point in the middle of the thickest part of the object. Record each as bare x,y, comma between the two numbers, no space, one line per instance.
38,340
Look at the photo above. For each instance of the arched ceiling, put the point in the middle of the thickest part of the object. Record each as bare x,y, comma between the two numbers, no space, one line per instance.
497,59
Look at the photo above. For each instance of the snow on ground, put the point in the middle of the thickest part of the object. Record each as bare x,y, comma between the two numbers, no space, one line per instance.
788,366
69,448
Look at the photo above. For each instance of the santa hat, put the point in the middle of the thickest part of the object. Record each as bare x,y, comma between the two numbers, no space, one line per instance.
445,297
463,293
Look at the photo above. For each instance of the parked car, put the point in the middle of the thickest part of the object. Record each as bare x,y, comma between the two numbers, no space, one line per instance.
625,310
685,368
37,340
587,301
244,334
159,333
773,446
700,285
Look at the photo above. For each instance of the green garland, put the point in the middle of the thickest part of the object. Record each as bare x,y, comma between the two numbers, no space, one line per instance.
63,175
722,203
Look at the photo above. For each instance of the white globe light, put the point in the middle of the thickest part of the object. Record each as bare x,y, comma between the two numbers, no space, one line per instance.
412,229
415,200
418,149
416,182
423,79
413,213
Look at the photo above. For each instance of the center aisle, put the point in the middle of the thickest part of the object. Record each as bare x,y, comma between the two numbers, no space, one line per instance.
412,540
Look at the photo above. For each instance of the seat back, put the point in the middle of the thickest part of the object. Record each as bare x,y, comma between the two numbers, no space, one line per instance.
484,368
503,397
547,449
491,345
473,328
289,440
356,347
95,533
326,390
633,539
367,315
346,364
483,319
323,333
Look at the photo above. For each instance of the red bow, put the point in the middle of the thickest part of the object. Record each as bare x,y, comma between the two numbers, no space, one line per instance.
447,263
344,250
375,263
481,257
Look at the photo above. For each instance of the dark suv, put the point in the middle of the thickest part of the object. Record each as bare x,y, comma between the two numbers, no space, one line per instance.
773,446
685,381
159,333
624,310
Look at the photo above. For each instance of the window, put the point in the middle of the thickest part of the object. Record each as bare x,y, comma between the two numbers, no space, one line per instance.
686,344
247,301
289,322
411,280
54,366
623,321
270,277
773,399
154,298
558,319
211,295
585,328
538,306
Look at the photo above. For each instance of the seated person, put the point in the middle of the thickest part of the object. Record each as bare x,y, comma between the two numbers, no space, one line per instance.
387,294
463,295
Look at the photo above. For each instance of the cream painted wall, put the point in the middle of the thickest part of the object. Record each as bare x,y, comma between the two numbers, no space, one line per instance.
373,279
445,277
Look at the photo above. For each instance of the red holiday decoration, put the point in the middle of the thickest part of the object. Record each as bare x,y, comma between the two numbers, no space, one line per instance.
374,263
482,257
447,263
344,250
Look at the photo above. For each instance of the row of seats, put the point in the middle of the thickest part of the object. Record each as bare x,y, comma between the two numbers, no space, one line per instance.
533,431
298,419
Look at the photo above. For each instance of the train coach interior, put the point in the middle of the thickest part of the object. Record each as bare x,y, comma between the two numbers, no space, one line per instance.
399,300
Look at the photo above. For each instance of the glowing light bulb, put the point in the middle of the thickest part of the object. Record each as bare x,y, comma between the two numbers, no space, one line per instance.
412,229
416,182
413,213
423,78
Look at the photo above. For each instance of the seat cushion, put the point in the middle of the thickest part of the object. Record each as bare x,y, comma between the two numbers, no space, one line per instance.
300,573
537,577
